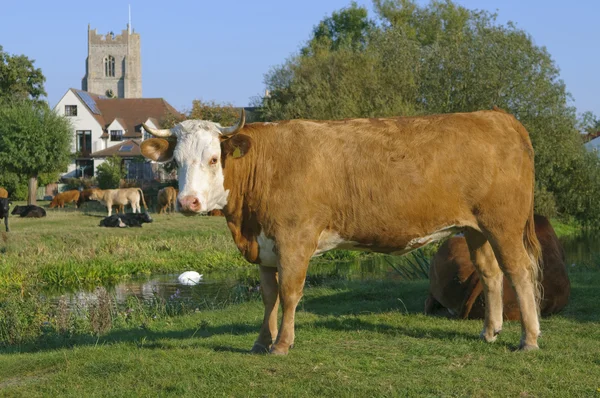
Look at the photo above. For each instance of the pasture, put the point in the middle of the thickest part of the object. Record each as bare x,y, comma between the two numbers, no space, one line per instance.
353,339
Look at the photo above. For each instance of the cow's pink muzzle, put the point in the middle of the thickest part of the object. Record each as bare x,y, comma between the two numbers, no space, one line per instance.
189,204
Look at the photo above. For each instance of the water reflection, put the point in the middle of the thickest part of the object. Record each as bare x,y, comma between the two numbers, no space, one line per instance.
223,287
582,252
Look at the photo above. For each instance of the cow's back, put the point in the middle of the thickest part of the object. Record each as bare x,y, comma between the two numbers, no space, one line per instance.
3,193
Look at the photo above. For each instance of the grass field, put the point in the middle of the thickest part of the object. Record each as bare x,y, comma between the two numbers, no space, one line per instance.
353,339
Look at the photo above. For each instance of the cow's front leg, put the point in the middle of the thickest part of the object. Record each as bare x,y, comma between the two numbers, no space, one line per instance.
293,264
6,222
270,296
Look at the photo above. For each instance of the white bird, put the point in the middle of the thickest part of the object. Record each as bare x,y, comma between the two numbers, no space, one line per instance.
189,278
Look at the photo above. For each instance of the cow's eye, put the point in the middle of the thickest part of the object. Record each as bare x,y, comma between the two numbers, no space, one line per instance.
213,160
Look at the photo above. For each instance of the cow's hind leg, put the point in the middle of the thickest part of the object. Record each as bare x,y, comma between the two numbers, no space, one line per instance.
270,295
521,271
490,274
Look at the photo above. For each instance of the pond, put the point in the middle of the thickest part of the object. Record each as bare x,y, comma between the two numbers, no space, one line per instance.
217,289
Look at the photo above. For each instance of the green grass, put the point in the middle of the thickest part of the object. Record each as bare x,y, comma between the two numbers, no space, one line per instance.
565,228
69,249
353,339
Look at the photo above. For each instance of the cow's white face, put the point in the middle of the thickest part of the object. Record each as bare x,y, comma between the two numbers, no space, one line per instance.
198,158
196,147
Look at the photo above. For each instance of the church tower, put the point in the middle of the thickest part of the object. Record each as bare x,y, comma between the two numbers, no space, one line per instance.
114,64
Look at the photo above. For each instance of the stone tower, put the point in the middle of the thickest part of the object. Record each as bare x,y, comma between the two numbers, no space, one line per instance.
113,65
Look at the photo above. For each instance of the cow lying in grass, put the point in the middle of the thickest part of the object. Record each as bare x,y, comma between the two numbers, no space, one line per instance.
4,205
29,211
455,285
126,220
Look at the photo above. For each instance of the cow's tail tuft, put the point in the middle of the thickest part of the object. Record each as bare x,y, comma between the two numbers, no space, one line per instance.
534,249
143,200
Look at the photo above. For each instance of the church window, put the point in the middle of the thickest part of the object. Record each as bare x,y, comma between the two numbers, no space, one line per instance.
109,66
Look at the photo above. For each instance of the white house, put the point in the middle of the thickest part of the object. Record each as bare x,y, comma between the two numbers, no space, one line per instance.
104,127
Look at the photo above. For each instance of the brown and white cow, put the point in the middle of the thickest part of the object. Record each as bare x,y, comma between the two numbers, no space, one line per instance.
454,284
119,197
65,197
294,189
166,199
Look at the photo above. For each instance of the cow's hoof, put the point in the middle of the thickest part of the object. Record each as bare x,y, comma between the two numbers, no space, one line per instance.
528,347
258,348
490,338
278,350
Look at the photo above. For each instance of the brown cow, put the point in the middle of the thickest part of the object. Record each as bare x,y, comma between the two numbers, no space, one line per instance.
455,284
120,197
3,193
65,197
294,189
166,199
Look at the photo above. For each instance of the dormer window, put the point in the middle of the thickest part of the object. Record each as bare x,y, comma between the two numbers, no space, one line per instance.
109,66
116,135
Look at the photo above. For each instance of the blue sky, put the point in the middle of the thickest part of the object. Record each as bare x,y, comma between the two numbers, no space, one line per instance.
220,50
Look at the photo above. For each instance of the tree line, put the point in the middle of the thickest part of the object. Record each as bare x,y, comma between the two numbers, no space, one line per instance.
404,60
410,60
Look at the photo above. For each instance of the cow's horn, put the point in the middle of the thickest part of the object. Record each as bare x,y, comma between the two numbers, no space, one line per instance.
234,129
164,133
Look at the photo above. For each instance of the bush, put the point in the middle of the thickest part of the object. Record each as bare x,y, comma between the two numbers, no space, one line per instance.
110,173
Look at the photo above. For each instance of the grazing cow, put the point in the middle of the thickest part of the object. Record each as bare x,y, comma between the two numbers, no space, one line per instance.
216,213
455,284
29,211
84,196
65,197
126,220
294,189
3,193
166,199
4,207
120,197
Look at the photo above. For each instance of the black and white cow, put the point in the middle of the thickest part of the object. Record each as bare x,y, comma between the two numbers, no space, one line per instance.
126,220
4,204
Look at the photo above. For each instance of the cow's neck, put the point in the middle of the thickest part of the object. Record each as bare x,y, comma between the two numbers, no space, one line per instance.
242,206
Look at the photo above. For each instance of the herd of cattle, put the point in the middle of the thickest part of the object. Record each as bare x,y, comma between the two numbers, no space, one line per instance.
117,198
294,189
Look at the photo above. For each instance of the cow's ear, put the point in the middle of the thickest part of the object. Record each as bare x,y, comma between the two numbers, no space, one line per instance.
158,149
236,146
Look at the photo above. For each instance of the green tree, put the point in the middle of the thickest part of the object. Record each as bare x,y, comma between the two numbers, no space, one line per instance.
34,141
225,114
588,123
19,78
440,58
110,173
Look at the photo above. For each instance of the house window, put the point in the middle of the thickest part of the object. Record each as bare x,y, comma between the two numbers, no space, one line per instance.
109,66
70,110
84,142
84,168
116,135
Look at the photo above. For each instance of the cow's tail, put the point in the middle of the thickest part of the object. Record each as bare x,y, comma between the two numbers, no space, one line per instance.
143,200
534,249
